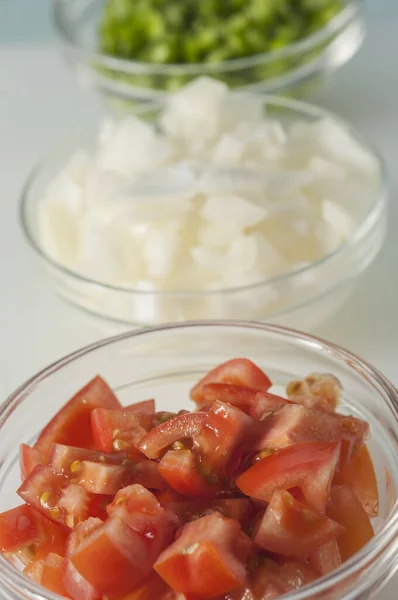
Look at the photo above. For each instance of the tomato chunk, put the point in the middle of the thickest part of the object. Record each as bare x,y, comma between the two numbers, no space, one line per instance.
52,576
308,466
254,403
238,371
345,508
117,430
29,458
295,424
141,511
290,528
55,497
360,474
76,585
65,459
173,430
225,429
178,468
18,528
98,478
215,548
146,407
113,559
34,570
71,425
326,558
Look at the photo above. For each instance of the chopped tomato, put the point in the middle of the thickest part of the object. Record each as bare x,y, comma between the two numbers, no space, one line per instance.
18,528
29,458
175,429
147,407
295,424
24,530
345,508
140,510
65,459
326,558
55,497
238,371
117,430
178,468
254,403
71,425
133,504
52,576
208,558
76,585
98,478
290,528
360,474
34,570
309,466
225,429
240,509
113,559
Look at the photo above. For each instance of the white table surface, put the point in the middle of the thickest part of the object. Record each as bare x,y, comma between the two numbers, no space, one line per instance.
40,101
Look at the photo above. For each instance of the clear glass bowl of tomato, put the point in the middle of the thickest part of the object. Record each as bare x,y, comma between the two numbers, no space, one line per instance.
164,363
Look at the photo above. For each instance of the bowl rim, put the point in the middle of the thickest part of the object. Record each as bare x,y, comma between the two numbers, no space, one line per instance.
127,66
373,550
362,229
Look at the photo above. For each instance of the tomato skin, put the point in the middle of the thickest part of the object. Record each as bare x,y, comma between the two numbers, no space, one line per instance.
238,371
177,428
213,546
359,473
291,529
17,529
178,468
75,584
118,430
308,466
252,402
113,559
326,558
146,407
345,508
29,458
71,425
52,574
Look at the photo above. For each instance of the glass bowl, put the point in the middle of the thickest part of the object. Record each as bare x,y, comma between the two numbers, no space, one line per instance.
163,363
301,298
291,69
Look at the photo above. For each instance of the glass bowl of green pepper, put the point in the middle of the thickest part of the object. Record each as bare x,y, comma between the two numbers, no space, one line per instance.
142,49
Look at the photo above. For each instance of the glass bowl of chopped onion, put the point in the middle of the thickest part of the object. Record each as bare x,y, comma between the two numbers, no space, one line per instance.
128,50
216,204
